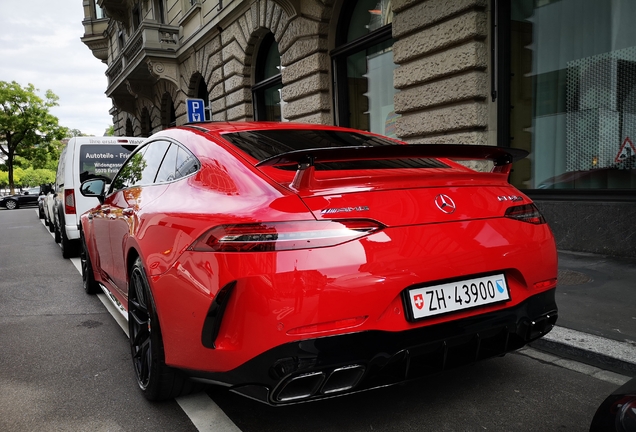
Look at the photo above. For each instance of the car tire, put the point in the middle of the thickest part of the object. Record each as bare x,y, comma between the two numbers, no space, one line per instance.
40,213
11,204
88,277
51,225
156,380
55,229
69,247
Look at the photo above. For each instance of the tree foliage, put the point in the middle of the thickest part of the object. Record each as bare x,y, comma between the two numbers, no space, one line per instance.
27,129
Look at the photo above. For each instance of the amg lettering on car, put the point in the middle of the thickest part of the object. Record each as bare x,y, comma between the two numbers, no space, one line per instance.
344,210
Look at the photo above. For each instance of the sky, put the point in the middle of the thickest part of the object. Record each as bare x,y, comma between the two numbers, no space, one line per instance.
40,44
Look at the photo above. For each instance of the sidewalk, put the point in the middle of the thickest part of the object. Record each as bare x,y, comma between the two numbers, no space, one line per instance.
596,296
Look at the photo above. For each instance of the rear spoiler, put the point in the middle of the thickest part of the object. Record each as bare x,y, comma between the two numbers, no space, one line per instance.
306,159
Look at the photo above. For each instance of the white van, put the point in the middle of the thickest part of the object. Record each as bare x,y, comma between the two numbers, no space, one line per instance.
83,158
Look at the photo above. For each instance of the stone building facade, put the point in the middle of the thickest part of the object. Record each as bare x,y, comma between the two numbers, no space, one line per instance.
442,62
425,71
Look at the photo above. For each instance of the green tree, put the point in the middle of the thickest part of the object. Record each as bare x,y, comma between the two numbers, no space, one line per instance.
110,131
75,133
27,129
35,177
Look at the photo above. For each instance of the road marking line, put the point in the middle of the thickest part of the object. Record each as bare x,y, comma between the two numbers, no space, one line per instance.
205,414
202,411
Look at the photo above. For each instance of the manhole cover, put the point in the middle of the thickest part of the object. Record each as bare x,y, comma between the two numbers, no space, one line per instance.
571,277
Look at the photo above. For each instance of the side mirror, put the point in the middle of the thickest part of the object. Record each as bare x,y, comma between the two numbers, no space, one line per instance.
94,188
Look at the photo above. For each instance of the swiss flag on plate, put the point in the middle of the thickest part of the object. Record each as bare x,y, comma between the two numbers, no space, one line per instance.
418,300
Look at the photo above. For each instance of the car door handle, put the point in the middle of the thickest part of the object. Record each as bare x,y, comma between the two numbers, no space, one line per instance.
127,211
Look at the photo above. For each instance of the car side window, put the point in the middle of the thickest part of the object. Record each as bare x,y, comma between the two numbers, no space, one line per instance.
141,169
130,171
153,157
167,170
186,163
177,163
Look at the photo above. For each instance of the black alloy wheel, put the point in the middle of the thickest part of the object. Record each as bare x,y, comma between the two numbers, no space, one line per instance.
88,278
156,380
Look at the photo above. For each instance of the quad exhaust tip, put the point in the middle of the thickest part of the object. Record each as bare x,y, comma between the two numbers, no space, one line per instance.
311,384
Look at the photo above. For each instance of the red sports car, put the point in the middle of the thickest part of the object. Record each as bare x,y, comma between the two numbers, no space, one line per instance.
294,262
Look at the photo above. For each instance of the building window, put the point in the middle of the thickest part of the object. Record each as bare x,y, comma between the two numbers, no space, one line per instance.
160,11
99,12
572,91
146,123
136,16
266,92
363,67
129,128
168,113
202,93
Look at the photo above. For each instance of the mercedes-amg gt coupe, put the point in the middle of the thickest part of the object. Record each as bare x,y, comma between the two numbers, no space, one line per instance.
293,262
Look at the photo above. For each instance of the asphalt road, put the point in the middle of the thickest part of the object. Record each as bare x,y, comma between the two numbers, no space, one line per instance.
64,361
65,366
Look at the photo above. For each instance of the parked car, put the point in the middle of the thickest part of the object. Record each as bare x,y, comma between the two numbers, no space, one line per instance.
618,411
44,190
296,262
82,158
619,173
28,197
41,206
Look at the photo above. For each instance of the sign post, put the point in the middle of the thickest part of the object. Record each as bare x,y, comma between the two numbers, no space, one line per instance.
196,110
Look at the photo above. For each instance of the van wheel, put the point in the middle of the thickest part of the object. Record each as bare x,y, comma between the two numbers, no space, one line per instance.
69,247
55,230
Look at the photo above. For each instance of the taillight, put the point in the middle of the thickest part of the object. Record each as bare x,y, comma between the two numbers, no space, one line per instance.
279,236
526,213
69,201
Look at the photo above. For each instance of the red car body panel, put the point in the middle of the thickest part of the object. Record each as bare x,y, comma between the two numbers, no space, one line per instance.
282,297
279,292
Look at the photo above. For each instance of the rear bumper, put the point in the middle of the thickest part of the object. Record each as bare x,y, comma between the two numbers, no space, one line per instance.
335,365
72,232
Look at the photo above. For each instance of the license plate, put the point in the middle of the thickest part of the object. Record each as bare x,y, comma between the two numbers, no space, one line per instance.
454,296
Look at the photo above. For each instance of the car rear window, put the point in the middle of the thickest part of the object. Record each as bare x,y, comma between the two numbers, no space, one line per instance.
102,160
264,144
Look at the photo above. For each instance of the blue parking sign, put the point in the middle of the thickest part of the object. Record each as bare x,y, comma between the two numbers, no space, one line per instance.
196,110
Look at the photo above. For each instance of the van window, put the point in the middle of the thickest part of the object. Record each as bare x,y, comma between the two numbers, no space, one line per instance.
102,160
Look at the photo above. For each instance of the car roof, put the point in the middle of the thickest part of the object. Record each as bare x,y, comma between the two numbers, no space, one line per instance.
228,127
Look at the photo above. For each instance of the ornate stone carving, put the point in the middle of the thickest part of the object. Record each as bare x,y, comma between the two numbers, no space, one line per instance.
163,70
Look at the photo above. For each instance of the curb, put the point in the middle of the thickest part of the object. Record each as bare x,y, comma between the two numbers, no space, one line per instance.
619,357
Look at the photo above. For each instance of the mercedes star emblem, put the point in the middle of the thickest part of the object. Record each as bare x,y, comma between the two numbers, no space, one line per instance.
445,203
